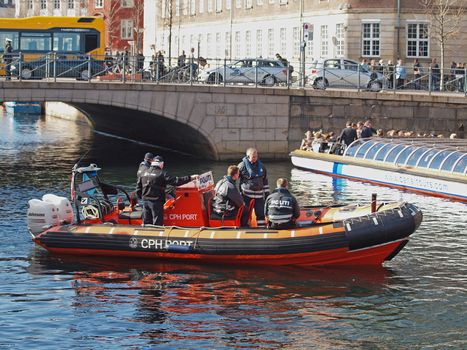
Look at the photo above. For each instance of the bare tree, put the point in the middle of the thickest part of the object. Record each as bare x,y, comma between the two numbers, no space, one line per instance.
112,21
138,11
445,17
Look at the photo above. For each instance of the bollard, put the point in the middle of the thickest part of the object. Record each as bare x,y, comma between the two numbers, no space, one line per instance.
373,202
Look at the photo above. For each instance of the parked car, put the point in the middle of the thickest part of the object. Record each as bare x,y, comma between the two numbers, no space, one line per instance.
248,71
75,67
342,72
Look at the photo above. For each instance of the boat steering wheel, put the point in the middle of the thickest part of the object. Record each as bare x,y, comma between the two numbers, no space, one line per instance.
90,212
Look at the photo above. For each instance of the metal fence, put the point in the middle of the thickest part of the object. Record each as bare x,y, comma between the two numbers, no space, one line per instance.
320,74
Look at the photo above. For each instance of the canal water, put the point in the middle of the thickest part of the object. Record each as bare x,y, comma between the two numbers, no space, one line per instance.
418,300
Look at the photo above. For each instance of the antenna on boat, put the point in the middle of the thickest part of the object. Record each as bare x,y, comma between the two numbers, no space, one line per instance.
80,159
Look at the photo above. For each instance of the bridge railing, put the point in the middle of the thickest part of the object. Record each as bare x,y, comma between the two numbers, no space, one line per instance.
317,74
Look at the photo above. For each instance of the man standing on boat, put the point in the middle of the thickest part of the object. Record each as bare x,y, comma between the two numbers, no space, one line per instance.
368,130
227,199
254,186
7,58
151,187
348,134
145,164
281,207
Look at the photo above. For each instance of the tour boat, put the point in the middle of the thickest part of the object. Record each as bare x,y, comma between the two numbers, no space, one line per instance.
23,107
333,235
429,166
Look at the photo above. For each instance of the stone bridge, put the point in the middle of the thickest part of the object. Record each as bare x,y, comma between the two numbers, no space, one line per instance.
221,122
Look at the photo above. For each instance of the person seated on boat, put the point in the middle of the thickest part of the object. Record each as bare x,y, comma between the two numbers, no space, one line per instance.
151,188
306,144
281,208
227,198
145,164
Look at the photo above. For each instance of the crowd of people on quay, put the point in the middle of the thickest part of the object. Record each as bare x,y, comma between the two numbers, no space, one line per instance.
277,209
323,142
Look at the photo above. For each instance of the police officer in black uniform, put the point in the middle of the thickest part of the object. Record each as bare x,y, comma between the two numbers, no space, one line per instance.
254,185
145,164
227,199
151,188
281,207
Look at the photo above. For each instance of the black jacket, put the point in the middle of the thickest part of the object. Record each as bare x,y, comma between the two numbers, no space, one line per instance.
7,53
152,183
281,207
143,166
227,198
348,135
367,132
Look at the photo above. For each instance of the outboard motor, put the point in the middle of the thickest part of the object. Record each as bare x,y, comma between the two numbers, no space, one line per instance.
41,216
63,205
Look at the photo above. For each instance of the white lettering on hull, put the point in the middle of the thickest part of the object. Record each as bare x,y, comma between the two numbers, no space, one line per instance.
156,244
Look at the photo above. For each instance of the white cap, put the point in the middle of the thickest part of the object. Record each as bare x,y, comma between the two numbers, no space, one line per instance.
7,39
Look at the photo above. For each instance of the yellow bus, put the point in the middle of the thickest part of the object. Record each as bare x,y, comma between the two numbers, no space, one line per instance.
70,38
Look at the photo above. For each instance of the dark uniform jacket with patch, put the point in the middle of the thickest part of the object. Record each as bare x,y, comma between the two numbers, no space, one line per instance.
152,183
281,207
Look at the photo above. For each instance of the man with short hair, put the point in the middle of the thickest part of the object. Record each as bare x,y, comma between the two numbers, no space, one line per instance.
145,164
281,207
151,188
367,130
348,134
254,186
7,58
227,199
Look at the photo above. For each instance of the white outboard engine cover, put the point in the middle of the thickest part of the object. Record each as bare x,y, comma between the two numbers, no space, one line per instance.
63,205
41,215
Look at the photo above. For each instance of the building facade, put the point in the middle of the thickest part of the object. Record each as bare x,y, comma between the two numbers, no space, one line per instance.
7,8
355,29
29,8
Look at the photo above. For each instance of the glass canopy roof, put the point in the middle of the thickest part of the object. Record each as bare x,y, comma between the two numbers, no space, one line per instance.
440,155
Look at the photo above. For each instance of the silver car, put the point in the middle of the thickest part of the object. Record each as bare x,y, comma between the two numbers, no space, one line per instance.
247,71
341,72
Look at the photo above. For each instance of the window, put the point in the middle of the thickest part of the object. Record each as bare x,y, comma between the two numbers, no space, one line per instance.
450,161
99,4
228,4
238,4
283,34
71,4
177,7
340,39
192,7
126,29
209,44
247,43
417,40
127,3
237,44
259,2
185,7
227,44
218,45
56,4
218,5
283,2
209,6
11,35
248,4
43,4
35,42
66,42
370,39
29,5
201,6
296,42
163,9
324,41
259,43
461,165
271,42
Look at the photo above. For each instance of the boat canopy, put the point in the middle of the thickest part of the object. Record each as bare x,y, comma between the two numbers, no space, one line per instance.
439,155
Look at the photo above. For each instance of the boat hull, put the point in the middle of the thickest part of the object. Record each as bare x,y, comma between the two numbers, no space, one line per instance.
364,240
438,187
